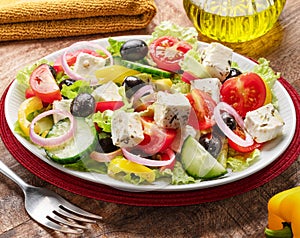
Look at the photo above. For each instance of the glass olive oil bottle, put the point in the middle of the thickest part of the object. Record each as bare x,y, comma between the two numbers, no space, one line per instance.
233,20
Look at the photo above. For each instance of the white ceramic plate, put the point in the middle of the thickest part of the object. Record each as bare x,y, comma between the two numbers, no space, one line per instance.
270,152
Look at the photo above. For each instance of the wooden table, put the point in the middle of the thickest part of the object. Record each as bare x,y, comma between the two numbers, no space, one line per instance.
244,215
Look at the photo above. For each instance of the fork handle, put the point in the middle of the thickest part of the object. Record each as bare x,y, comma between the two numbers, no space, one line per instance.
13,176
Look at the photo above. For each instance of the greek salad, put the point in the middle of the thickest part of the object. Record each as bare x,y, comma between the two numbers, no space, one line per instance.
141,110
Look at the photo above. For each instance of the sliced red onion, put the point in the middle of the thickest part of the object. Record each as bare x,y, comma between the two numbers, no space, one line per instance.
148,162
222,106
146,89
105,157
53,141
80,45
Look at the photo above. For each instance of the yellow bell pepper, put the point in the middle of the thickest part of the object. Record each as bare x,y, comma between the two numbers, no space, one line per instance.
284,207
162,84
114,73
28,106
268,95
120,164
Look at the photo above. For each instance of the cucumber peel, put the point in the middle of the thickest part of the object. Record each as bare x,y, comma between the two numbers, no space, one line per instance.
146,69
198,162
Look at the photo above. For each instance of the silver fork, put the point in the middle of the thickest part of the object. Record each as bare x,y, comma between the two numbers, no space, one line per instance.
50,209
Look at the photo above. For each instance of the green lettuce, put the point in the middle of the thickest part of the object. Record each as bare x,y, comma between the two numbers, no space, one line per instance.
266,72
241,161
103,119
114,46
77,87
167,28
178,175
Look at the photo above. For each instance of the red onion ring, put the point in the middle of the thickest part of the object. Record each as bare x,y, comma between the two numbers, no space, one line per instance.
148,162
81,44
141,92
53,141
226,130
105,157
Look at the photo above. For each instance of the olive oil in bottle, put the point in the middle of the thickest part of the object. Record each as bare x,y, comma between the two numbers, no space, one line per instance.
233,20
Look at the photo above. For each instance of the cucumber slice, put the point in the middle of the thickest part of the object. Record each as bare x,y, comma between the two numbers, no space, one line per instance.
198,162
146,69
81,145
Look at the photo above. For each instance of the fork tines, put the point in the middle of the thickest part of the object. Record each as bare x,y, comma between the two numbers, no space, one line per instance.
66,217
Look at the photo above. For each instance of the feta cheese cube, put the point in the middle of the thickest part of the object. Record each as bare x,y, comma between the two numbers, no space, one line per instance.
64,105
264,123
107,92
171,110
217,60
86,65
209,85
126,129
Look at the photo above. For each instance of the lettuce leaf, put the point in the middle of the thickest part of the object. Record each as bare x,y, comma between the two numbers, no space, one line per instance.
178,175
77,87
241,161
114,46
266,72
167,28
103,119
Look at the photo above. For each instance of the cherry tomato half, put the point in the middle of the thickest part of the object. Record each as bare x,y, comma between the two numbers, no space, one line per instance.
201,116
244,93
243,149
43,84
167,52
156,139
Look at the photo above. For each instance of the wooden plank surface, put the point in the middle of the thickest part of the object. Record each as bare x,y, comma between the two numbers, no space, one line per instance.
244,215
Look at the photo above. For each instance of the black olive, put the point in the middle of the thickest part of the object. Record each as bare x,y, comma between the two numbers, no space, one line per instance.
132,84
83,105
53,71
233,73
229,120
134,50
212,144
67,82
106,145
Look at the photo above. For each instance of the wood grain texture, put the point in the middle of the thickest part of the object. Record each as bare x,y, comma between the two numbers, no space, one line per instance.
244,215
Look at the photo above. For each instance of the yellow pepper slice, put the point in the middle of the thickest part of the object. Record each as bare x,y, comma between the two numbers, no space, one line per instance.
114,73
28,106
162,84
285,207
268,95
120,164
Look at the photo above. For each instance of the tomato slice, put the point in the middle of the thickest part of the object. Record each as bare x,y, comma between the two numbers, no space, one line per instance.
243,149
167,52
201,116
44,85
164,156
244,93
156,139
29,93
108,105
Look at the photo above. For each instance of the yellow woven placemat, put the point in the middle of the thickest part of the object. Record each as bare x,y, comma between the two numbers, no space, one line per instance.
34,19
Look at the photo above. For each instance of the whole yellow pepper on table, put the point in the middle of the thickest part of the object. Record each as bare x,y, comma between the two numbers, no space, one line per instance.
284,214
